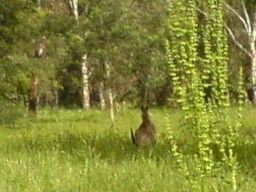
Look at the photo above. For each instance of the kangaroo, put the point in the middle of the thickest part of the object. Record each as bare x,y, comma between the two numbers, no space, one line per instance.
145,135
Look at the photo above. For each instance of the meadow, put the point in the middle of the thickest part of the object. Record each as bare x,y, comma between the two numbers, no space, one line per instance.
75,150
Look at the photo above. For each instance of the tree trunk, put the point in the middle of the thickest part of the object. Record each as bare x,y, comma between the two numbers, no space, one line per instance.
56,97
33,94
33,90
85,77
252,39
39,4
109,92
102,96
111,104
253,75
54,93
84,64
74,8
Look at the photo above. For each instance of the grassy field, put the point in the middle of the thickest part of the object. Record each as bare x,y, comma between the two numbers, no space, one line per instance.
74,150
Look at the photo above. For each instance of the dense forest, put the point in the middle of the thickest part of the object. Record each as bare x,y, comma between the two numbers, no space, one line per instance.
73,74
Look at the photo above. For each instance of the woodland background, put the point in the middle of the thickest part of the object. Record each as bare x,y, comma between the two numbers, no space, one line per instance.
73,74
103,55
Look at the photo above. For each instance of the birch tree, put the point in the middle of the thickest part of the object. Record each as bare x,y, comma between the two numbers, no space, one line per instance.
102,96
249,28
109,92
84,62
39,4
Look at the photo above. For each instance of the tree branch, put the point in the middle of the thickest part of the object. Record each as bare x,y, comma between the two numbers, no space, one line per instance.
246,26
249,23
231,34
233,37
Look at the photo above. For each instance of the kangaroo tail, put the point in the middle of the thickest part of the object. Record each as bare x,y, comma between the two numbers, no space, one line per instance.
132,136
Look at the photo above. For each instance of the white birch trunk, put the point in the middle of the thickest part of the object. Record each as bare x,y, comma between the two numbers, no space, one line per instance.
84,64
253,58
85,77
102,96
74,7
110,94
111,104
39,4
250,29
253,75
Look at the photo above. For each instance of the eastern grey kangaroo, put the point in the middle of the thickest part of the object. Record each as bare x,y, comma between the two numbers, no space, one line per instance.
145,135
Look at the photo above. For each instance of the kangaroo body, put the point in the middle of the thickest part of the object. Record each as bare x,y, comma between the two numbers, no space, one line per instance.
145,135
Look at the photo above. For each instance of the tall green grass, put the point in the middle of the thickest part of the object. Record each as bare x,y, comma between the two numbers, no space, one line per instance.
76,150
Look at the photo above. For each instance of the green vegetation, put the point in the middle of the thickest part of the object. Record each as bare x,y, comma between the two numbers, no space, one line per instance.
73,150
103,59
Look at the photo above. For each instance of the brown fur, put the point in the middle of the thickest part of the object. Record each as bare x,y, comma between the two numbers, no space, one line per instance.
145,135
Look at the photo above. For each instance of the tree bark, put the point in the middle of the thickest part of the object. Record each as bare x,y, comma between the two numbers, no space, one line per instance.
33,94
250,30
252,39
102,96
253,71
56,97
34,82
111,104
84,64
85,77
110,93
74,8
39,4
